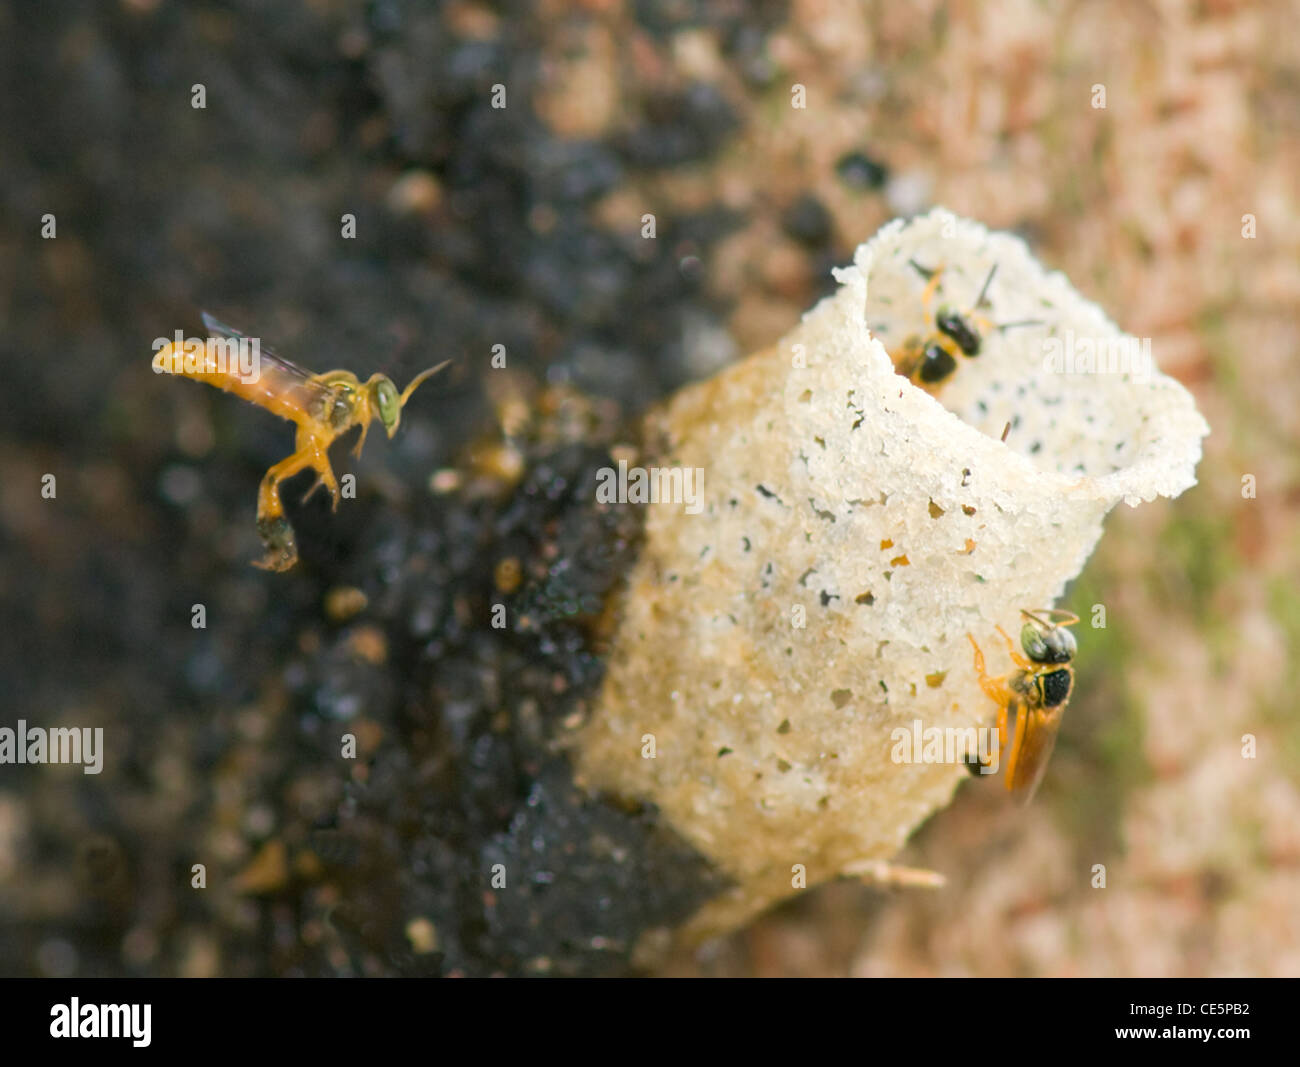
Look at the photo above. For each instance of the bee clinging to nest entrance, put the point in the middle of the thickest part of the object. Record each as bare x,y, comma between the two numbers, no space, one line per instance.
1035,693
929,360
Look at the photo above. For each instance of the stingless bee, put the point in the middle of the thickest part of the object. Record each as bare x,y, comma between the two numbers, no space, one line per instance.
930,360
1036,693
323,406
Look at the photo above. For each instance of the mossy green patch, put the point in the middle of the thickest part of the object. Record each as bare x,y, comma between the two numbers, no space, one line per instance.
1195,557
1100,759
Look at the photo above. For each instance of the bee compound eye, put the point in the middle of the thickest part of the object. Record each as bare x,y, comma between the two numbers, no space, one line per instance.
389,404
1031,640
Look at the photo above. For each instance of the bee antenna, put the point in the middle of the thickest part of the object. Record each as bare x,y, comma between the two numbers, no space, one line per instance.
1022,322
924,272
415,382
979,300
1066,618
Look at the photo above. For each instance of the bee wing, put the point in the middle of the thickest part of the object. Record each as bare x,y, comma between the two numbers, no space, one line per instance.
219,329
1035,737
216,326
279,381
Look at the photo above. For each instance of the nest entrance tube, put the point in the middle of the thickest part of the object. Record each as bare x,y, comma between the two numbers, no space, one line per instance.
853,529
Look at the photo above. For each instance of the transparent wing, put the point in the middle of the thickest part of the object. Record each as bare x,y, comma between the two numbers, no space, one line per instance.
281,385
1036,730
219,329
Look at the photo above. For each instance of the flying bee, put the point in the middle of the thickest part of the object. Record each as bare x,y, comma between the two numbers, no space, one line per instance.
930,360
323,406
1036,693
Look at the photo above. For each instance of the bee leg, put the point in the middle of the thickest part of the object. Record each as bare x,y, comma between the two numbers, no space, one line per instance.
316,451
325,480
1010,752
931,287
980,765
269,505
272,524
1016,657
996,690
361,441
274,528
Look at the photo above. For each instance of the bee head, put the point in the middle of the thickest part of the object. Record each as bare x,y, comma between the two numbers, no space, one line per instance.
959,328
1046,643
388,402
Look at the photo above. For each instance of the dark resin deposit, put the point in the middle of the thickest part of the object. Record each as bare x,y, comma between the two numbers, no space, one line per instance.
463,787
